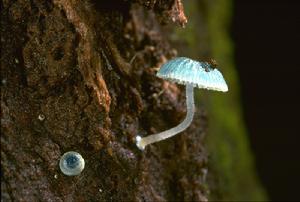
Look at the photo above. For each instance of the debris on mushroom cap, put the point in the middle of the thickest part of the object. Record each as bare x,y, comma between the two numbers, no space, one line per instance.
199,74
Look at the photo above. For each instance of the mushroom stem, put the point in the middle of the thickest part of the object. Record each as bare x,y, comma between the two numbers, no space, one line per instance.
142,142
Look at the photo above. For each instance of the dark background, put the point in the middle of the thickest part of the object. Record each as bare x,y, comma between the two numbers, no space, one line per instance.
267,51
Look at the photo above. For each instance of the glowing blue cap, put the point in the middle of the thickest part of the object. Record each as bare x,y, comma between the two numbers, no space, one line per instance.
199,74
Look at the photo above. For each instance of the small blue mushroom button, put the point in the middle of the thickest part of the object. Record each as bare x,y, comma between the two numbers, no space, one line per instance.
71,163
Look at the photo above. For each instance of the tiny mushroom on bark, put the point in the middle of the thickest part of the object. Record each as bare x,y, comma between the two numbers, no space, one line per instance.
192,74
71,163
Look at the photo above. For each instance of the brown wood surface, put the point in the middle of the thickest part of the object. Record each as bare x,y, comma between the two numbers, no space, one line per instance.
80,76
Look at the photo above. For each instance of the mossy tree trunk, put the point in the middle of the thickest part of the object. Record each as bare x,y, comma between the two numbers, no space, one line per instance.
79,76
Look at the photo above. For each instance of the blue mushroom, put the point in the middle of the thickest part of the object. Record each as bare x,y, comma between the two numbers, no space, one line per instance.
71,163
192,74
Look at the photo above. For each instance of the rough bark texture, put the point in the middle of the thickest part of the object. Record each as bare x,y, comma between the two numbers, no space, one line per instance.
80,75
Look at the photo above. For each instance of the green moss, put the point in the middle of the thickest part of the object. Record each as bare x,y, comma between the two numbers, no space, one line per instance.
233,175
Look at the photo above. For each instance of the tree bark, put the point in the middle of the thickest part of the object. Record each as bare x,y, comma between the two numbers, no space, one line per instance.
80,76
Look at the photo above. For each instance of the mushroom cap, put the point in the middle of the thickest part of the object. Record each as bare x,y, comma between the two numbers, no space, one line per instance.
199,74
71,163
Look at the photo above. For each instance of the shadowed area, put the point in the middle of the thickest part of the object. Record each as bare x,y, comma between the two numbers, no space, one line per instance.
267,37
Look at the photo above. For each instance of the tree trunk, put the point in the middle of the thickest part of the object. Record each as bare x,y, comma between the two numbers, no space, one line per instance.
79,76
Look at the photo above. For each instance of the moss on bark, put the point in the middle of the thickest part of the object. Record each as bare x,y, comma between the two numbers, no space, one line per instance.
231,170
